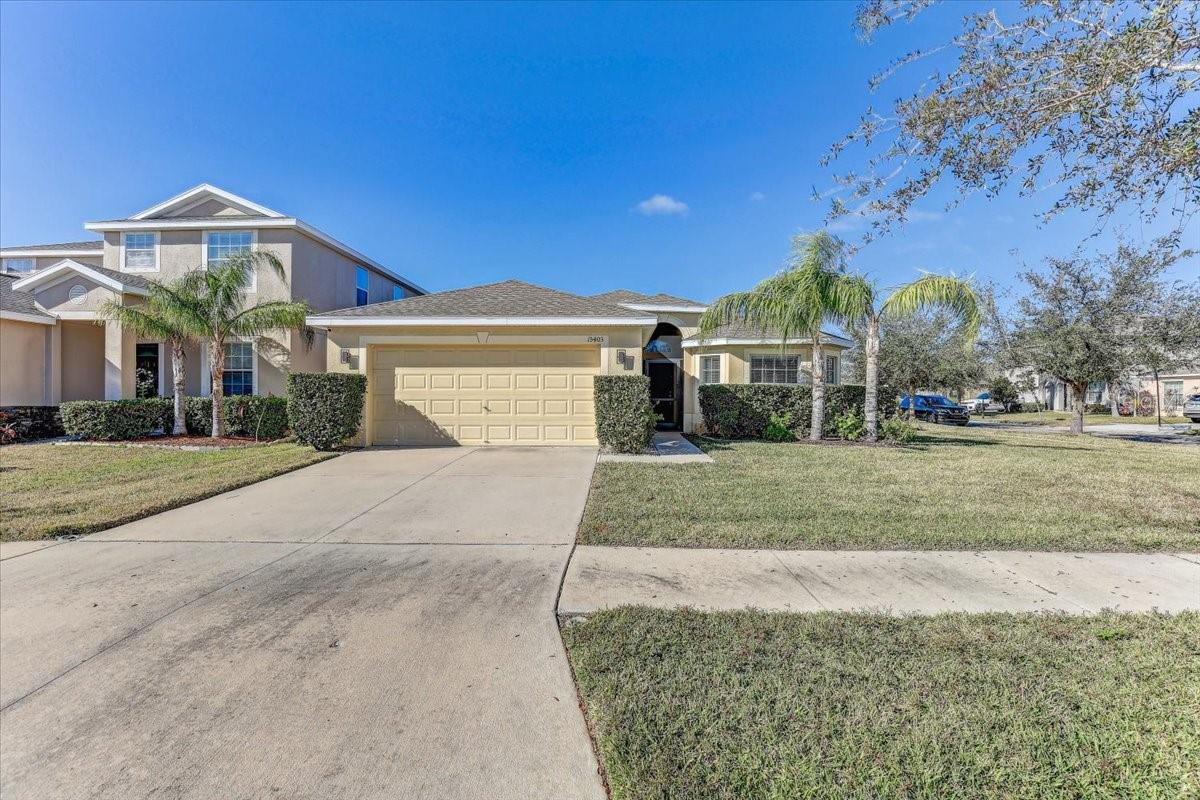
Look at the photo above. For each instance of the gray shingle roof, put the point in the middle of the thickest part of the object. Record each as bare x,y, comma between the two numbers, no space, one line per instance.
630,296
121,277
505,299
16,301
94,244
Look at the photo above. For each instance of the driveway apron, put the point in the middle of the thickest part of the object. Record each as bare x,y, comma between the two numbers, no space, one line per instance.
376,626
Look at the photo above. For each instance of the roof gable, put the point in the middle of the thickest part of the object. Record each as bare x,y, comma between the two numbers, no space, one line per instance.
206,200
110,279
640,301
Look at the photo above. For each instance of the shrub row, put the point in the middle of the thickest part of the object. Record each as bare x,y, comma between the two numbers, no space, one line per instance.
625,417
110,420
32,422
744,411
325,408
245,415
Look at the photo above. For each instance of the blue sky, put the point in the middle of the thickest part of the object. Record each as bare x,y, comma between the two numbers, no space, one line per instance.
465,144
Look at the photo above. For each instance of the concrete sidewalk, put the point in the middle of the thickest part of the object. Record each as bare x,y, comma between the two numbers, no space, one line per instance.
894,581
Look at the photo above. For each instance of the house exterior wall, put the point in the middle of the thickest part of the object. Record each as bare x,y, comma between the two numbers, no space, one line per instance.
326,279
735,368
57,298
1189,383
23,347
360,341
82,360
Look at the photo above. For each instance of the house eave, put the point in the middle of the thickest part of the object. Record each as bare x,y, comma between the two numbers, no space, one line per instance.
666,309
51,275
720,342
17,316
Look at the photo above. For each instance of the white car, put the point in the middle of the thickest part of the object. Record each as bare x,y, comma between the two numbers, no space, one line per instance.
1191,408
982,405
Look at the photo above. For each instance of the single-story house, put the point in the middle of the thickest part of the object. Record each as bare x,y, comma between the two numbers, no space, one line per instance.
514,363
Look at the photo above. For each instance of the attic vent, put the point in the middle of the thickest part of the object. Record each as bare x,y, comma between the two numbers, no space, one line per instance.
78,294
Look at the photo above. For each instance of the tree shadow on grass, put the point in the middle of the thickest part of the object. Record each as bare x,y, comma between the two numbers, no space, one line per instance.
926,441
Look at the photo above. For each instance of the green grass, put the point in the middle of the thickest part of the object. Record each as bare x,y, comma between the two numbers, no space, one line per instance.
51,490
954,489
1062,419
751,705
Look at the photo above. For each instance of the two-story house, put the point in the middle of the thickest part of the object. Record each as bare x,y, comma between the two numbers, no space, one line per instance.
52,349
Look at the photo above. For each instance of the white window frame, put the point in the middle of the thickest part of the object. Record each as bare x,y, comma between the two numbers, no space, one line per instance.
1166,394
361,271
837,369
700,368
157,248
799,368
206,373
253,247
32,265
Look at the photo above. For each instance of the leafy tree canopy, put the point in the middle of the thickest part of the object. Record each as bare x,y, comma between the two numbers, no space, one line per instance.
1093,100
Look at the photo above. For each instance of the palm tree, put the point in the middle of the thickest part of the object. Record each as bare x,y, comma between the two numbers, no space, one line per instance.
220,314
860,303
160,317
795,302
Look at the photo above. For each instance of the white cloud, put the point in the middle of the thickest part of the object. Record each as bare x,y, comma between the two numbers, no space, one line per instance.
917,215
662,204
758,197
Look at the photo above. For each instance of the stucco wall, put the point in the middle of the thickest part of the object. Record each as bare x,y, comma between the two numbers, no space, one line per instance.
23,363
326,279
57,298
82,361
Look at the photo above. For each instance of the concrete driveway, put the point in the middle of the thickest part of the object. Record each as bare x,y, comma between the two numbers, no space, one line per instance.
378,625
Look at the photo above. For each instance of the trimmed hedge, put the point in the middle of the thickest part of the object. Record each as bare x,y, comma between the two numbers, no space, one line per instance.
625,417
325,408
32,422
262,417
108,420
744,410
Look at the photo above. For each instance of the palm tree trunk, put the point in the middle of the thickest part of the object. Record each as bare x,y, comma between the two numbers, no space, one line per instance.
818,389
179,379
871,400
216,365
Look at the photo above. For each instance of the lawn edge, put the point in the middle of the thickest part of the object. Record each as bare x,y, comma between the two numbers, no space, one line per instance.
84,530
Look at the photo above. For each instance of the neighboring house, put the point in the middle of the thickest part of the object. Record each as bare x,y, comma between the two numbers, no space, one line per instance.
1051,393
514,363
1174,388
53,350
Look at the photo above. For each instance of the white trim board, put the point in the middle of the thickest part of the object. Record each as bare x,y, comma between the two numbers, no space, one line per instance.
826,339
318,321
67,265
198,194
17,316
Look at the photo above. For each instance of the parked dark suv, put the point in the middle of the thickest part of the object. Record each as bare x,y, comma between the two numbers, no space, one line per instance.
939,409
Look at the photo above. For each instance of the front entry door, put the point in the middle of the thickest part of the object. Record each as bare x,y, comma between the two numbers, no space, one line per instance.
664,391
147,370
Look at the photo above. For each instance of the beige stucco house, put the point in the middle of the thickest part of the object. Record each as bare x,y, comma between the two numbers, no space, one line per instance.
514,363
52,349
503,363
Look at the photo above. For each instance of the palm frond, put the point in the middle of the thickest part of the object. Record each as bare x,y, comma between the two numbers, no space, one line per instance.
144,321
268,316
956,295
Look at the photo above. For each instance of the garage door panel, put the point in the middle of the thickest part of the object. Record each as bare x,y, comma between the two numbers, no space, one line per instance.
483,395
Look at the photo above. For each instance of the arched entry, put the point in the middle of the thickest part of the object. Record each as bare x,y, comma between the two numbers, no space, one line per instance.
662,361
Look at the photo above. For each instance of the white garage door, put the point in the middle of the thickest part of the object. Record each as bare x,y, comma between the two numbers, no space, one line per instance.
426,395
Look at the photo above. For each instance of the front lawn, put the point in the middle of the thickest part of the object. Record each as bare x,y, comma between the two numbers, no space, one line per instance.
751,705
49,490
955,488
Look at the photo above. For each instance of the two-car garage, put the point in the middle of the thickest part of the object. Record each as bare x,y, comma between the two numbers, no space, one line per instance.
481,395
